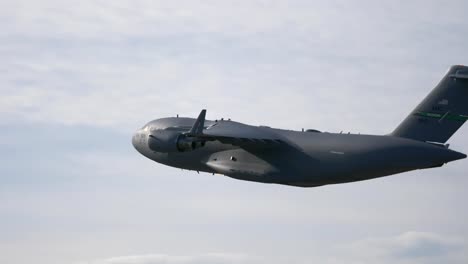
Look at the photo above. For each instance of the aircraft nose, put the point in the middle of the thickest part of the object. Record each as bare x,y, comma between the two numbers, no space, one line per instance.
135,141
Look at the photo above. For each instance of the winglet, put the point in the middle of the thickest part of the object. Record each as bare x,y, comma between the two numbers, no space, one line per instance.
197,128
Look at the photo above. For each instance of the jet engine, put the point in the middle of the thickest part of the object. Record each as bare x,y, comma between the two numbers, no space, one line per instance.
172,141
185,143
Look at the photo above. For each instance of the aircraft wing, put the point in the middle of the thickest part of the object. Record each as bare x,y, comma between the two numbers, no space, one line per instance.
262,142
237,134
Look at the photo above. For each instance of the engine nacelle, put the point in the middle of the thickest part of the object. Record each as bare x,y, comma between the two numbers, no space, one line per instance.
163,141
171,141
185,143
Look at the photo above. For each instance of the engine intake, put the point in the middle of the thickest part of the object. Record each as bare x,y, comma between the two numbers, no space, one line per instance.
185,143
170,141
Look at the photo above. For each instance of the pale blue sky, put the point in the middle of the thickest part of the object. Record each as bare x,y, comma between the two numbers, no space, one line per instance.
77,78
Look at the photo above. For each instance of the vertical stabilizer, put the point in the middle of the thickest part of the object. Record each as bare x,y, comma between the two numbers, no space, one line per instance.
442,112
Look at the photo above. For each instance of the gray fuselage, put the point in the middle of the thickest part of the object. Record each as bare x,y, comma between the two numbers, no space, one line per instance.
310,159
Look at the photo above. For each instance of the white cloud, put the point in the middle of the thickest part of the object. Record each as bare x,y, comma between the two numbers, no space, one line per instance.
409,247
122,63
331,65
218,258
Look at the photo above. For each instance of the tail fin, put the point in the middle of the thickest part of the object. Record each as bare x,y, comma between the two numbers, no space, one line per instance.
442,112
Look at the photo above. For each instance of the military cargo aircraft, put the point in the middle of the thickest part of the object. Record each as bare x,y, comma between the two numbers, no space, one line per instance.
311,158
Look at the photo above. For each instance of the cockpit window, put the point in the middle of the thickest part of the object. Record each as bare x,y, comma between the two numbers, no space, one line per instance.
151,127
178,128
168,125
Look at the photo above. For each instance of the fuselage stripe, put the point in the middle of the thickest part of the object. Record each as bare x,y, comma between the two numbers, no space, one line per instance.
442,116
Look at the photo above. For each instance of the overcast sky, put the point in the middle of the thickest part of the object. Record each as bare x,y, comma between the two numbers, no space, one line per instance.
77,78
